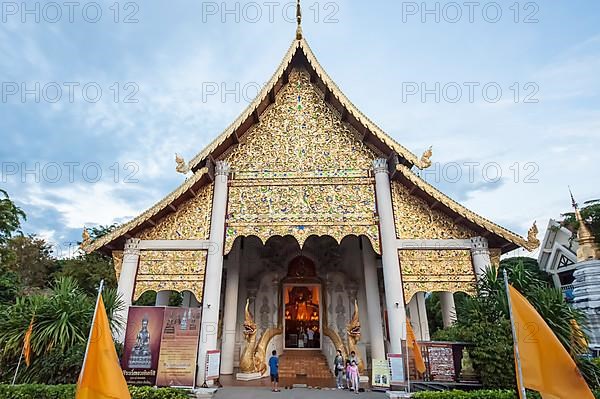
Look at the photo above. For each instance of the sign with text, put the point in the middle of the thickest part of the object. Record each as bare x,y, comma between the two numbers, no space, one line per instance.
213,364
179,347
380,375
142,345
441,362
397,368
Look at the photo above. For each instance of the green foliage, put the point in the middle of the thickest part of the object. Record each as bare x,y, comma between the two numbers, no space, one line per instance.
9,286
62,321
482,394
590,212
31,258
88,270
68,392
100,231
10,217
483,320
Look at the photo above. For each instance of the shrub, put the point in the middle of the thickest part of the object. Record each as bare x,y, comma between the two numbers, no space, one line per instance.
34,391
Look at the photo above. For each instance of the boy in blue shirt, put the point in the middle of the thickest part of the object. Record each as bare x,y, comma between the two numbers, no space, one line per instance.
274,367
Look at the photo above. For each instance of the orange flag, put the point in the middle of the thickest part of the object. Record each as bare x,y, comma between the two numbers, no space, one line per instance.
27,344
411,342
101,376
547,366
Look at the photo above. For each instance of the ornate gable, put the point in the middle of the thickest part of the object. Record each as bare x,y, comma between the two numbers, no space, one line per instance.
301,171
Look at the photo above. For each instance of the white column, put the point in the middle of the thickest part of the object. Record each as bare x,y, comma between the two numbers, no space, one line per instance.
481,256
230,309
448,308
163,298
131,257
391,266
423,321
415,321
373,306
214,271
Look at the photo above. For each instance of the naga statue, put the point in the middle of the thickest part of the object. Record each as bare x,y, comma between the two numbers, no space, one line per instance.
353,331
253,359
247,358
260,353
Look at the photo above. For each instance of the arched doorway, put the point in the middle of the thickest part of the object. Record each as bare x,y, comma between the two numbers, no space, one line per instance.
302,306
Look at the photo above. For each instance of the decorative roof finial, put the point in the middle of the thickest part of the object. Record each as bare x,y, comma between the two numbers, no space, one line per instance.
573,203
299,20
588,248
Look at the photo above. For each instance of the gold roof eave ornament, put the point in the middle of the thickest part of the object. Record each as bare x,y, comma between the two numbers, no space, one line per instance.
425,161
532,240
85,237
182,167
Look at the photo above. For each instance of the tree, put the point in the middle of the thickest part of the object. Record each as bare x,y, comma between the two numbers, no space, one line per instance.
32,261
88,270
9,286
10,217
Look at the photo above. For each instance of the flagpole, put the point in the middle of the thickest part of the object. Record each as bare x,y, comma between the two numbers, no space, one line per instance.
87,348
407,364
520,385
18,365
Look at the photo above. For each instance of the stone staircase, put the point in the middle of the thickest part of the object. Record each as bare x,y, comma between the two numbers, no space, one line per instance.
304,363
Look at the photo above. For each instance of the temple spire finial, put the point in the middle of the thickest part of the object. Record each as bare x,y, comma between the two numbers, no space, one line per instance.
299,21
588,249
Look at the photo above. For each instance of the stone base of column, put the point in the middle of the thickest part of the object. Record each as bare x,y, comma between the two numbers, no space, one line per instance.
248,376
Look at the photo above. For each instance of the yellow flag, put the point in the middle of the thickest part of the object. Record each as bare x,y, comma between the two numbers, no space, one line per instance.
101,376
27,344
547,366
411,342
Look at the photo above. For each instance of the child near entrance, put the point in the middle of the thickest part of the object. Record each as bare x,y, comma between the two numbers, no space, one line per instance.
274,371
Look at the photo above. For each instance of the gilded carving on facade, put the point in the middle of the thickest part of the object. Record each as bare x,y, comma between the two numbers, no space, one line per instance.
171,270
436,270
117,262
191,221
495,254
300,132
301,171
415,219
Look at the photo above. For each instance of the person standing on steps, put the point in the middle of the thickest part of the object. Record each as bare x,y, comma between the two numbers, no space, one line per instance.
274,371
338,369
354,376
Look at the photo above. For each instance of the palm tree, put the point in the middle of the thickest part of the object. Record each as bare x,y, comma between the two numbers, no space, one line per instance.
62,322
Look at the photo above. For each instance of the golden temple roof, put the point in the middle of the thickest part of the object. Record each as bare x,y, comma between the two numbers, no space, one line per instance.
300,53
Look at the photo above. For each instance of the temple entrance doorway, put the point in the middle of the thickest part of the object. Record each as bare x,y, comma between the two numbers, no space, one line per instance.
302,318
302,306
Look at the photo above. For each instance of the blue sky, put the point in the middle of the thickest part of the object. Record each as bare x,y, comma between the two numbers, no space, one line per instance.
377,52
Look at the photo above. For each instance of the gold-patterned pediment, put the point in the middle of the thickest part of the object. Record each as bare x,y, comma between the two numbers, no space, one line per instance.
436,270
301,171
191,220
171,270
415,219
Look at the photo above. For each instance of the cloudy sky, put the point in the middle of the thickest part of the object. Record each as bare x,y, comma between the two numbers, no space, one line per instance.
96,97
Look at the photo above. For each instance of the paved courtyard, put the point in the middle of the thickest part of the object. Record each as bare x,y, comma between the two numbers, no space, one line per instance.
296,393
